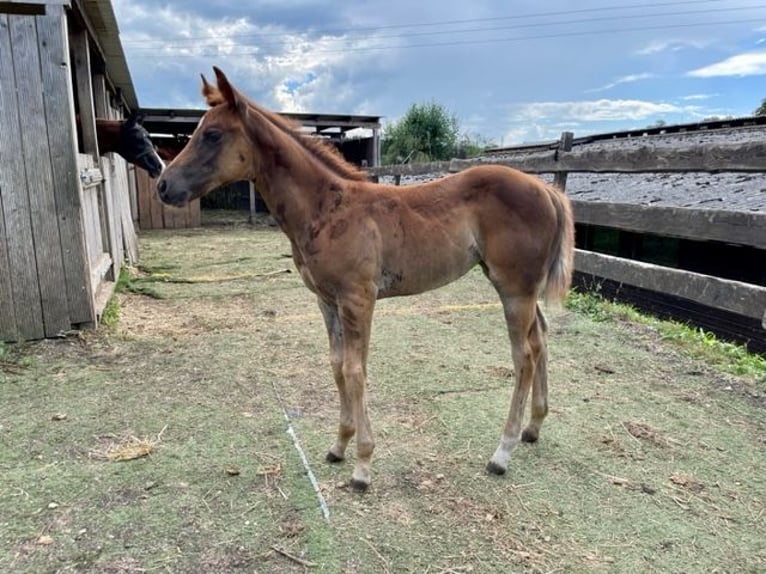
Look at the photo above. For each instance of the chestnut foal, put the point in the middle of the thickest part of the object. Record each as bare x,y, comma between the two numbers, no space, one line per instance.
354,242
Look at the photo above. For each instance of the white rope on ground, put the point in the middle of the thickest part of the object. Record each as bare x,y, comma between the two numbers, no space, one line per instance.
297,444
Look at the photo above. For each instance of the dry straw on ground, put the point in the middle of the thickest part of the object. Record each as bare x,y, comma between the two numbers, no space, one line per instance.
128,448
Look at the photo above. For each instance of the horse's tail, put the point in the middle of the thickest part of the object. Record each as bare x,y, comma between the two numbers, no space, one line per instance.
562,255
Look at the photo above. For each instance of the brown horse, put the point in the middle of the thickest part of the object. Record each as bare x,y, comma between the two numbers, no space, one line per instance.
355,241
129,139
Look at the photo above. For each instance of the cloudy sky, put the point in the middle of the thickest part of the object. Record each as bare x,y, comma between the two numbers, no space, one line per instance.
512,71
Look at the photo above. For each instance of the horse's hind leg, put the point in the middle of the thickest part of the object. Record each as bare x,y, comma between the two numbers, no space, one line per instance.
526,348
346,427
540,385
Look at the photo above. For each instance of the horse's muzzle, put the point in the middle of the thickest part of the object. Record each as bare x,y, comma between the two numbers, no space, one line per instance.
170,196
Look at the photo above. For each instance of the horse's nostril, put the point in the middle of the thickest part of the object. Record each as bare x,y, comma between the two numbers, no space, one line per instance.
162,186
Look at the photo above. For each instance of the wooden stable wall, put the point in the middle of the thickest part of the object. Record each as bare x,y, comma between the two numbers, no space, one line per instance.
65,223
153,214
41,244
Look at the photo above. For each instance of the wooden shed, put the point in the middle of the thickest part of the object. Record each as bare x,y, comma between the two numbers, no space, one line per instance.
65,214
171,129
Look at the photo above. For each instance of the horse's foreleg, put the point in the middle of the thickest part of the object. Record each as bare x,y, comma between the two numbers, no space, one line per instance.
356,318
539,408
520,316
346,428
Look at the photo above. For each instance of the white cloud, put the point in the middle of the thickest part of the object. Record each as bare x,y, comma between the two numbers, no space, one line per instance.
698,97
629,79
747,64
595,110
659,46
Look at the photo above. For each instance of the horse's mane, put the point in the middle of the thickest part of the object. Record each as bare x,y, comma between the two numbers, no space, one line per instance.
327,154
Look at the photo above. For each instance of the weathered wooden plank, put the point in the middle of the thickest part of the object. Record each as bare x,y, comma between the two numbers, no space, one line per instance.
133,194
144,199
734,296
195,213
90,208
565,145
13,187
412,168
62,138
129,237
174,217
84,89
119,185
251,217
9,126
156,207
110,221
101,97
733,157
37,156
740,227
7,316
725,324
25,8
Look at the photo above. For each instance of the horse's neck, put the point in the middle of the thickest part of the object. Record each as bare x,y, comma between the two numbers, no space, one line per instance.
290,178
108,135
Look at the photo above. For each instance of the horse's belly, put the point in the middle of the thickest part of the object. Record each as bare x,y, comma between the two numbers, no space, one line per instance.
417,272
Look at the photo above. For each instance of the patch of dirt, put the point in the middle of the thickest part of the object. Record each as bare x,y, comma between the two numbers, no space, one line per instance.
687,482
147,317
643,431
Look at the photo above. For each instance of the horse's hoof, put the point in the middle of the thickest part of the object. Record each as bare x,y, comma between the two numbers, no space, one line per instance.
529,436
333,458
357,486
494,468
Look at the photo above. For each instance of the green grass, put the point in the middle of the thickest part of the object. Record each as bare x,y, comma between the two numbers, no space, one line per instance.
651,459
730,357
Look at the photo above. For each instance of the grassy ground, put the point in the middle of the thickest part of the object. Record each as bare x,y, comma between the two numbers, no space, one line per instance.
651,460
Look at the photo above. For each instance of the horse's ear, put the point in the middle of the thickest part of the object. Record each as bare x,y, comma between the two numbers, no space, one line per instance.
211,94
230,95
135,117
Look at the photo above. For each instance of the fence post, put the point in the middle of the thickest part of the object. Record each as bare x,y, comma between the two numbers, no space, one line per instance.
251,218
565,144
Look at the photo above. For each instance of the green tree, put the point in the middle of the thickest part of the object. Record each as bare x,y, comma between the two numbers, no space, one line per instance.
761,110
427,132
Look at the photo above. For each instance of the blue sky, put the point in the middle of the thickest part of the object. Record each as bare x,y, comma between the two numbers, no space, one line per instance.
511,71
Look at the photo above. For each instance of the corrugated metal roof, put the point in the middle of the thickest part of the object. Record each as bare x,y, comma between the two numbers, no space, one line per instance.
101,15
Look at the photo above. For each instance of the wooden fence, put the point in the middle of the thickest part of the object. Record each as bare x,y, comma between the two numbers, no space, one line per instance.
734,227
65,218
153,214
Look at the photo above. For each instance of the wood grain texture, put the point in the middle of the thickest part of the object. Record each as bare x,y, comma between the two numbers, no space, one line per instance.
740,227
737,157
734,296
62,139
22,265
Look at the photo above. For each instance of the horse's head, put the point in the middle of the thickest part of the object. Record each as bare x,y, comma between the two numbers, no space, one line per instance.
218,153
136,146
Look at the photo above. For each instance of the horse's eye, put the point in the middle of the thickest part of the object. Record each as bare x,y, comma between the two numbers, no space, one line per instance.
212,136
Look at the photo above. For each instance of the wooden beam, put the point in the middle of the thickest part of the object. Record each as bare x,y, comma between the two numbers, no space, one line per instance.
22,9
251,218
28,52
84,89
565,145
62,137
436,167
734,296
740,227
737,157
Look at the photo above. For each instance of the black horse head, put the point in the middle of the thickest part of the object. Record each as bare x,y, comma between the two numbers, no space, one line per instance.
136,146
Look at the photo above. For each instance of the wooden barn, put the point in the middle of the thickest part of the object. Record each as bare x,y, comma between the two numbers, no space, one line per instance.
65,213
171,128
